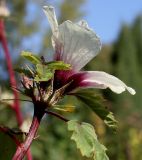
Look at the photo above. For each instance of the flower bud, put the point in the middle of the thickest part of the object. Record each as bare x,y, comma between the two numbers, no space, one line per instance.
4,12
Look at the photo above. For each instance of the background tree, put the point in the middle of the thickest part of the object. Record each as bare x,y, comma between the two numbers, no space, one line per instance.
126,57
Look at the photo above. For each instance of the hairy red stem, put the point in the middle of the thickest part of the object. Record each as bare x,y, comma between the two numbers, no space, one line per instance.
16,105
23,148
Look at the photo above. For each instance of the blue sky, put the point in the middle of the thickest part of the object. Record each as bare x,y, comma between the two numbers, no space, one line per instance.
107,16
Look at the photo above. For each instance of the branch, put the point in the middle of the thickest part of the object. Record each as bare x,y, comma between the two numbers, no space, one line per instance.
25,100
57,115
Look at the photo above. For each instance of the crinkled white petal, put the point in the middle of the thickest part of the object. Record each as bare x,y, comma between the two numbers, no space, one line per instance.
104,80
50,13
84,24
80,44
75,44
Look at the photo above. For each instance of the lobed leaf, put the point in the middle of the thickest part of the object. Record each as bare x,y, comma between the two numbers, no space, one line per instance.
86,140
95,103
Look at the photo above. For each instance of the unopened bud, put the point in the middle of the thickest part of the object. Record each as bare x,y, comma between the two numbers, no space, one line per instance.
4,12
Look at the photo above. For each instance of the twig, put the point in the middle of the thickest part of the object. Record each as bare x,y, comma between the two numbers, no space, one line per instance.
57,115
15,99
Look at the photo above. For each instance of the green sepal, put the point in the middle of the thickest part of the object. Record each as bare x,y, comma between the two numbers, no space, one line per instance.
58,65
43,73
31,57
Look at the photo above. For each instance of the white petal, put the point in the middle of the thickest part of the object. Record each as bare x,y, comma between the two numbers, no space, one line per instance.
80,44
75,44
84,24
50,13
104,80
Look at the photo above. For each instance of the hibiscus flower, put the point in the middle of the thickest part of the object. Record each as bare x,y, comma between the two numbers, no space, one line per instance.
77,44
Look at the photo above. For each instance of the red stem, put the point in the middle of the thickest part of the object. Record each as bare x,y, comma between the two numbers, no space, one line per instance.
11,72
16,105
22,148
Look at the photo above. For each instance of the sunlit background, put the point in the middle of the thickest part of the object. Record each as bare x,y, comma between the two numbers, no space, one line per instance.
119,25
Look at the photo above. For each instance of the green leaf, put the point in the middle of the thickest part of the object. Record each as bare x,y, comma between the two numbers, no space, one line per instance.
95,102
30,57
86,140
43,73
58,65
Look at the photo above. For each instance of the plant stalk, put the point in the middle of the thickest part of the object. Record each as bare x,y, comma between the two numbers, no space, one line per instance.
3,41
23,148
16,105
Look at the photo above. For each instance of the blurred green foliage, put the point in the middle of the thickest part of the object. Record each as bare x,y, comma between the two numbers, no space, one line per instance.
126,59
123,59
